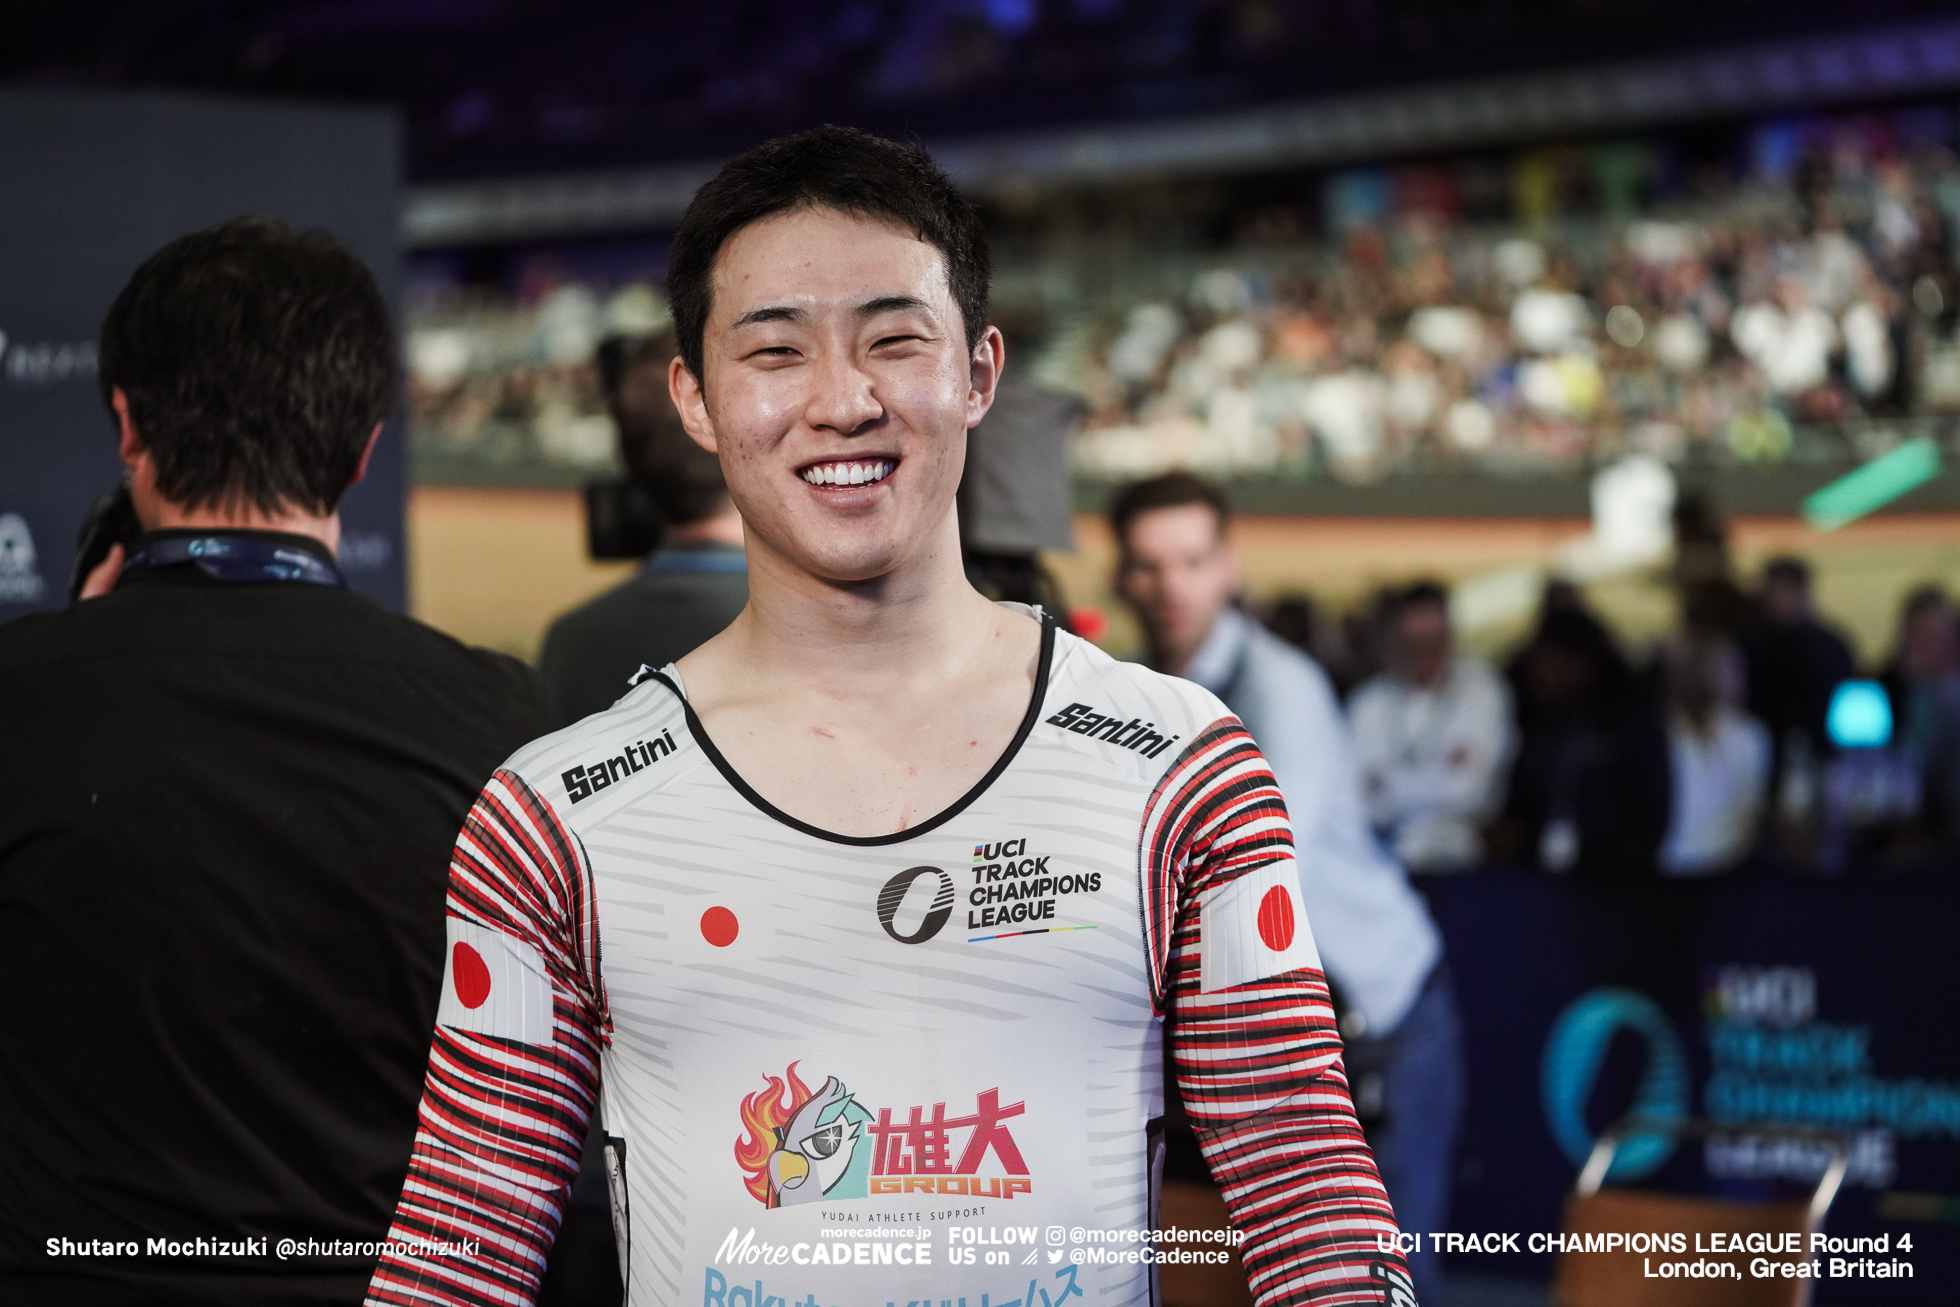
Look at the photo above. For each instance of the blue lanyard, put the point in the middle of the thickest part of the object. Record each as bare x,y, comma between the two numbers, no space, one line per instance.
234,558
698,560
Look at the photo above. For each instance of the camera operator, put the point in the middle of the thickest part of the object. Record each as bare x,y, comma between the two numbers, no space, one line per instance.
688,590
232,790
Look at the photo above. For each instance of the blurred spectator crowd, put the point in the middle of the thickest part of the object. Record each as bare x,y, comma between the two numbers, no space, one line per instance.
1802,304
1747,737
1796,313
513,381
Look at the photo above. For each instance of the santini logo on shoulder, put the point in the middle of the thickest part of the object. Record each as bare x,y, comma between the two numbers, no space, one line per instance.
583,782
1135,734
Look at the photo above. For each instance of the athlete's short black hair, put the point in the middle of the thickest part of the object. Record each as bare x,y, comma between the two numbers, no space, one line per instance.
837,168
256,360
1171,490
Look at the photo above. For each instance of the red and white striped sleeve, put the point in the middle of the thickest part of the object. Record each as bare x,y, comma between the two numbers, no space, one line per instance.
1258,1054
514,1065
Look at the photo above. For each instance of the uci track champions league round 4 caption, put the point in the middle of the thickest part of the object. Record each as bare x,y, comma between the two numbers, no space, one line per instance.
1697,1255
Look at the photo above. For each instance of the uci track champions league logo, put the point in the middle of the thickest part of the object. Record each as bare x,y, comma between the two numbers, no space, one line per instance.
1771,1061
1009,887
804,1146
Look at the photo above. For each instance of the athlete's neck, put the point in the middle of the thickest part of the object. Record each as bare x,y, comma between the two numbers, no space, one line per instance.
865,708
918,622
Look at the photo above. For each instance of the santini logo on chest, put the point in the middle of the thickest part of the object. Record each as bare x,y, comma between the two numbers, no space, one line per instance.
1135,733
583,782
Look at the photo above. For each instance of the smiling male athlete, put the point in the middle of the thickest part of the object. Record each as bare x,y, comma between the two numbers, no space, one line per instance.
895,886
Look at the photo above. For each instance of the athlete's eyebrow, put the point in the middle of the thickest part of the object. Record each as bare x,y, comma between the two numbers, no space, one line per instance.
772,313
868,309
891,304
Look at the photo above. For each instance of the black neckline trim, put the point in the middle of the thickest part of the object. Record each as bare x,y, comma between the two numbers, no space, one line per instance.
945,815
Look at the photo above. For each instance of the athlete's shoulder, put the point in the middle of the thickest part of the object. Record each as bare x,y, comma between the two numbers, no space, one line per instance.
1125,712
599,764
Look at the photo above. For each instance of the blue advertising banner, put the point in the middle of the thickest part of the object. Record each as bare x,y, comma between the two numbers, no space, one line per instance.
1757,1002
95,183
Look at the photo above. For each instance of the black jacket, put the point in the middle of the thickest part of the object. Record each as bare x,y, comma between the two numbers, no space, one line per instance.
658,616
224,843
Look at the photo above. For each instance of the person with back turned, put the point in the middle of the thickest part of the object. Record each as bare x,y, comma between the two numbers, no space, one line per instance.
231,786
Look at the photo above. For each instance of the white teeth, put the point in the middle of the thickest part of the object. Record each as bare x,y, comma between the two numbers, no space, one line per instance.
848,474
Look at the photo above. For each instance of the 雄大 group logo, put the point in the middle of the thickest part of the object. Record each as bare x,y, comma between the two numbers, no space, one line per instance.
802,1145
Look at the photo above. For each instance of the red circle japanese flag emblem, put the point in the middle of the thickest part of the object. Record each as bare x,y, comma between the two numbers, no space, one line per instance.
472,977
495,984
1276,919
1254,927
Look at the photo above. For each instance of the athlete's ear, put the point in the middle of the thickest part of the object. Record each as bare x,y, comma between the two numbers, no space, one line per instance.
684,388
989,358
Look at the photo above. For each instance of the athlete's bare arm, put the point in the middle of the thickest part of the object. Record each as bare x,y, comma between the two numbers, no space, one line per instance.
867,686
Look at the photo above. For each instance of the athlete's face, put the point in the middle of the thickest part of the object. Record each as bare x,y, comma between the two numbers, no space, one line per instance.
1178,572
837,389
